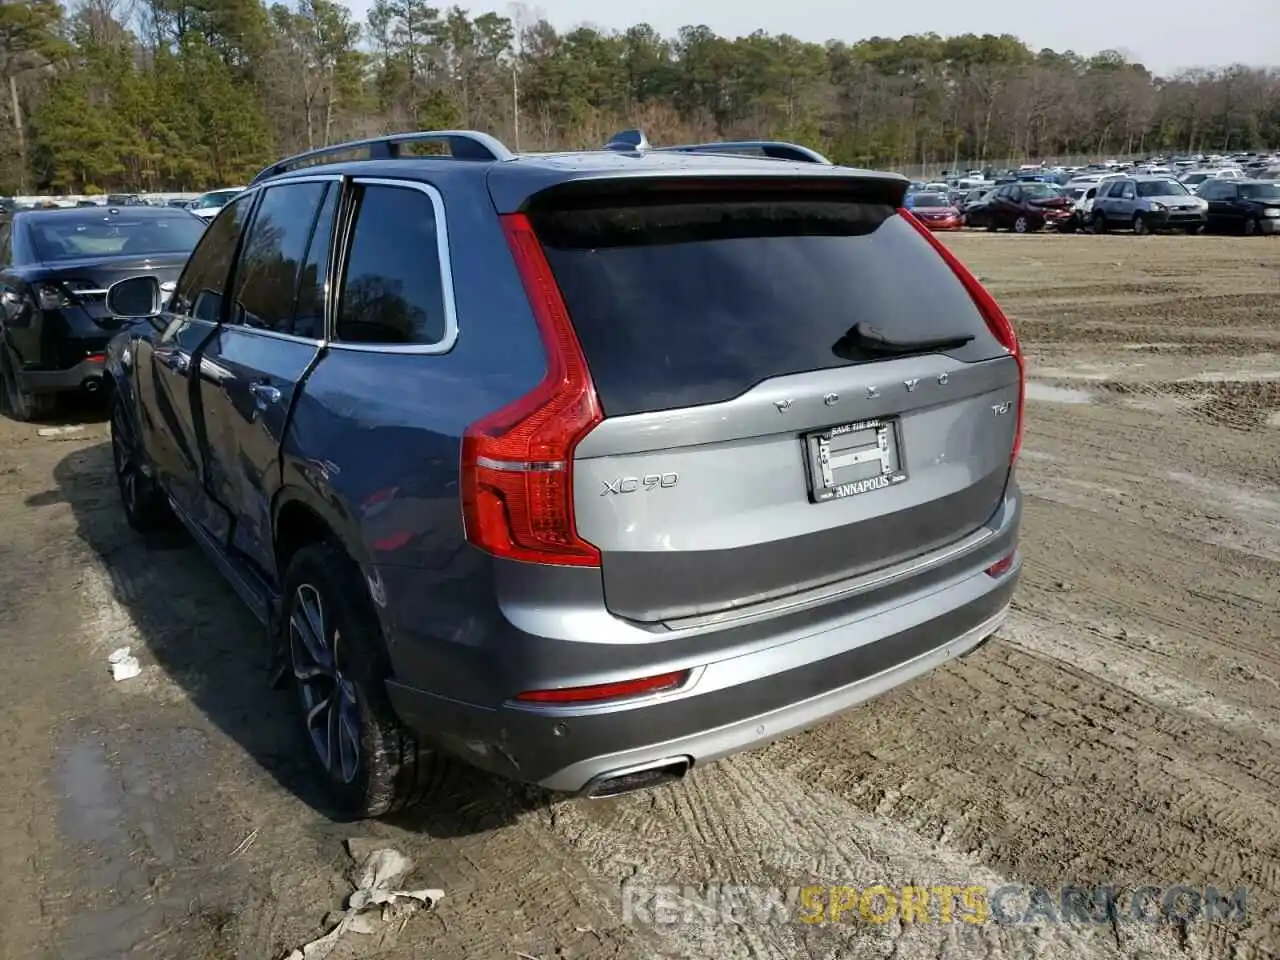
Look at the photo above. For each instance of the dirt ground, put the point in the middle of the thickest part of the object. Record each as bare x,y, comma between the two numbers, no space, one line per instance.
1122,730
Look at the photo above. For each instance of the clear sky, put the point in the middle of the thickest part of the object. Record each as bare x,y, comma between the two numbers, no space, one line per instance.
1165,35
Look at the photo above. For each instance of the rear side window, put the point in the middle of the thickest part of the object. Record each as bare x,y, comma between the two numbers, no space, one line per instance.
685,302
272,254
392,289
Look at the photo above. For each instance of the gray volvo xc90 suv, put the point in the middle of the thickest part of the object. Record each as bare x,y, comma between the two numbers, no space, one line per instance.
586,467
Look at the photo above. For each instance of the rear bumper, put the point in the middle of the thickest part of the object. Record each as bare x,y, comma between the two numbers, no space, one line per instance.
735,699
85,375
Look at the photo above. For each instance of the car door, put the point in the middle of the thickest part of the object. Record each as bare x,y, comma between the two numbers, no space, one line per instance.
171,428
1214,194
1234,210
1126,201
255,362
1010,205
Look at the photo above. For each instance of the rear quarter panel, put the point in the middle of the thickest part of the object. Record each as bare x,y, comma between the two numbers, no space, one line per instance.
375,438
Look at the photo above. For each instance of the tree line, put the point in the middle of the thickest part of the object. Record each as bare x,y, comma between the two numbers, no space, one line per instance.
153,95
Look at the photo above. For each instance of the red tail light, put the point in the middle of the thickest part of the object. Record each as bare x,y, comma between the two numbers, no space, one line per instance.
999,324
517,463
607,691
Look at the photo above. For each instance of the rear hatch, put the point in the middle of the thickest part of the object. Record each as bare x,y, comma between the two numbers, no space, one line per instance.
797,388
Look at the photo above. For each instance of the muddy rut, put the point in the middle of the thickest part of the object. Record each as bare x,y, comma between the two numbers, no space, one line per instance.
1123,730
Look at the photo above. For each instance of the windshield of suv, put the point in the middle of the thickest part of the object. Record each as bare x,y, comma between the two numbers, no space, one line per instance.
1160,188
1194,178
1260,191
929,200
219,198
72,238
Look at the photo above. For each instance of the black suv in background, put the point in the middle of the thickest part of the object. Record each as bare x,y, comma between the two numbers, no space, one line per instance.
55,268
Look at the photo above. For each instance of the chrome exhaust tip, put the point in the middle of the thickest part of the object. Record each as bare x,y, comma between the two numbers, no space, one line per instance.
91,384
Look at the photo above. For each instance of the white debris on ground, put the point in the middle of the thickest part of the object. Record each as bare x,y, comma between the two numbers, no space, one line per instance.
124,665
59,433
376,906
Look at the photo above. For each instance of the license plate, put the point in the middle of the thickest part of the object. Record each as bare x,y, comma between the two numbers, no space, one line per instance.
853,458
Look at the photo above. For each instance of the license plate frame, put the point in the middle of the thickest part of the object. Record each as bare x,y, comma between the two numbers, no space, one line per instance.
822,463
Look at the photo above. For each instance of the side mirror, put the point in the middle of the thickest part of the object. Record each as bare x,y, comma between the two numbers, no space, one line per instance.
134,298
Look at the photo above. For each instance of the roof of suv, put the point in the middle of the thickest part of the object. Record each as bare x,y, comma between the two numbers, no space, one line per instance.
515,177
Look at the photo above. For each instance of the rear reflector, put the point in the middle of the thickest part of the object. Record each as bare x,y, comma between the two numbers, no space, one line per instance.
607,691
998,323
517,463
1001,567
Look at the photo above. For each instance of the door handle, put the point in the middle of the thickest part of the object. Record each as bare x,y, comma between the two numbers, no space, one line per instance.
175,360
264,393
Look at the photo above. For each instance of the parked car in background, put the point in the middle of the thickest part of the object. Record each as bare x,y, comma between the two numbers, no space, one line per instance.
512,470
936,211
1144,204
1082,198
55,268
1022,207
971,197
1242,206
207,205
1193,180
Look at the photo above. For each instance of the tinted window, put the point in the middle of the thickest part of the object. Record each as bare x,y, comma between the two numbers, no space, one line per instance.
1260,191
308,314
199,291
391,287
6,245
680,302
272,254
930,200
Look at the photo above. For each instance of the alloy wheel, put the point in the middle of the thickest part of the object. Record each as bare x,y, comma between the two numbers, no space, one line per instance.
329,699
126,463
1021,225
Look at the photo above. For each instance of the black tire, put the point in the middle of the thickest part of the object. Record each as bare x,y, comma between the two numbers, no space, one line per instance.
144,504
376,766
19,404
1099,222
1140,225
991,226
1252,227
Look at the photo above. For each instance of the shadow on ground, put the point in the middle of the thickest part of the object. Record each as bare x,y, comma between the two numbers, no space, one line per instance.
202,636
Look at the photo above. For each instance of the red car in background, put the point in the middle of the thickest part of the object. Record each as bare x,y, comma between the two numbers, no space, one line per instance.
936,211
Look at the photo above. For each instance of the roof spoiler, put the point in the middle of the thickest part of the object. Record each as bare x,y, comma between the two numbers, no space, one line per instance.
634,141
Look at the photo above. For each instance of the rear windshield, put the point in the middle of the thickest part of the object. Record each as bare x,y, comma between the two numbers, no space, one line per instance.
929,200
680,302
66,237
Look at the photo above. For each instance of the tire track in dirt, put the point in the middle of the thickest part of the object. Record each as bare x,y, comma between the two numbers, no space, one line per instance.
764,819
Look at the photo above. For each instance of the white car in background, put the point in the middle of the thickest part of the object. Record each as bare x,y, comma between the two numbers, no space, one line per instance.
207,205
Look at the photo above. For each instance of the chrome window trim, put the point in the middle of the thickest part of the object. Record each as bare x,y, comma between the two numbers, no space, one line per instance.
259,188
446,343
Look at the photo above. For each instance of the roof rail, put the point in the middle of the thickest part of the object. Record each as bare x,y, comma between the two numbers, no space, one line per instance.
463,145
772,149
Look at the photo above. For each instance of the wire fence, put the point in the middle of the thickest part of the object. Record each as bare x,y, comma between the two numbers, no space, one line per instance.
923,171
